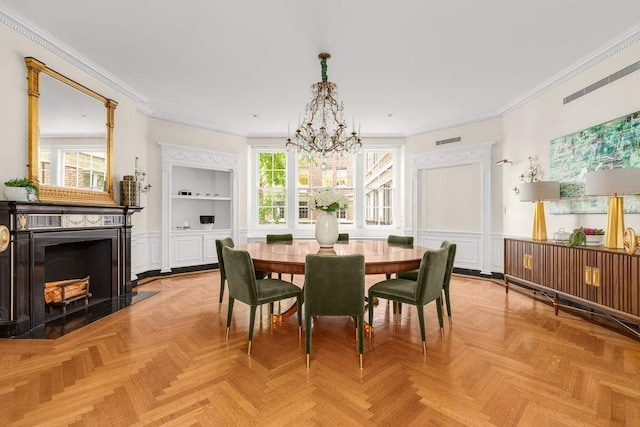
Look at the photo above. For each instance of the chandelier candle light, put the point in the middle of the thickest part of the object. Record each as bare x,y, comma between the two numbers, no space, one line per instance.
323,130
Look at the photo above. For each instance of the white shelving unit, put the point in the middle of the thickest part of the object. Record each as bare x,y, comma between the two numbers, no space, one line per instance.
196,182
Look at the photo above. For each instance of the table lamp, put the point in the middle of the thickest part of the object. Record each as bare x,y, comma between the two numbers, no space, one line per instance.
611,182
537,192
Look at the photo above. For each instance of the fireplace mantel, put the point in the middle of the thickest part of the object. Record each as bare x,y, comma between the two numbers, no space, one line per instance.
31,226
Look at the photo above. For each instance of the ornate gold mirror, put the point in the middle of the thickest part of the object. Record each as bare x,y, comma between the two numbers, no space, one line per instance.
70,138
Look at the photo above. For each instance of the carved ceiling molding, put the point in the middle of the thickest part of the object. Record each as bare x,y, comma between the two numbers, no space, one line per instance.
454,156
192,156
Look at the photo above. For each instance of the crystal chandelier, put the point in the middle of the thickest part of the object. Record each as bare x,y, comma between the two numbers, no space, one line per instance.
323,132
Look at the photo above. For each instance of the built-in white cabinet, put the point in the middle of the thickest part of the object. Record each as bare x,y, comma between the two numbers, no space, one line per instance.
196,183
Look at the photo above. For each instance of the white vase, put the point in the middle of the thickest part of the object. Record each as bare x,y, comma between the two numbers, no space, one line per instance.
18,194
326,229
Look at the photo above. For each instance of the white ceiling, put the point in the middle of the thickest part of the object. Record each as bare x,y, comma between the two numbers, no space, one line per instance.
402,67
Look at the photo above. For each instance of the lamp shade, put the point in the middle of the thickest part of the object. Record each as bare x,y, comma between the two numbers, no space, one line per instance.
606,182
541,190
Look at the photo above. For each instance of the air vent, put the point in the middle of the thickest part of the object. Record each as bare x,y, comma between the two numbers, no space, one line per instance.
597,85
448,141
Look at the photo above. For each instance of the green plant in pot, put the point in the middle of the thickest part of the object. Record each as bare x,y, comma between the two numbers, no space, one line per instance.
20,189
579,236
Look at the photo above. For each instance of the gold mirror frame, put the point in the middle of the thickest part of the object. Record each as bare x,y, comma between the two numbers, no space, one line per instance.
55,193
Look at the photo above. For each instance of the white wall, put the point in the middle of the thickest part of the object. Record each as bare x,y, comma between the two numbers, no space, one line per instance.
529,129
452,198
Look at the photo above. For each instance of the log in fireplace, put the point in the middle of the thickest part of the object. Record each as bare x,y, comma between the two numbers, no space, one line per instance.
52,242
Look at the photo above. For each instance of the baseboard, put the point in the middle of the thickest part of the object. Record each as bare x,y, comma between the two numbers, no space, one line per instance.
478,273
180,270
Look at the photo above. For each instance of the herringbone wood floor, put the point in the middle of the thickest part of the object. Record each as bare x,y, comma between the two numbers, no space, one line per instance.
507,360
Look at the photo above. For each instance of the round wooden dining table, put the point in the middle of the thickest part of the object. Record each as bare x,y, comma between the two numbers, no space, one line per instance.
379,256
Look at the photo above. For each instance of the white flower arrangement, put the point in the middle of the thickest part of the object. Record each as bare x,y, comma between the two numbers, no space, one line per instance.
328,200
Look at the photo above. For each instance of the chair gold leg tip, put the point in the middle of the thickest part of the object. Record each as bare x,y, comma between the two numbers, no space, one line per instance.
308,362
424,347
441,332
226,335
361,363
249,349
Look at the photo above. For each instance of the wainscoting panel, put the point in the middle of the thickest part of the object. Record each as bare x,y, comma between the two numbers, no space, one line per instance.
146,252
468,253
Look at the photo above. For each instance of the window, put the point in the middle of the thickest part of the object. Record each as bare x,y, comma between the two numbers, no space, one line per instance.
44,170
327,177
84,170
303,210
373,174
341,177
303,176
319,178
272,181
379,187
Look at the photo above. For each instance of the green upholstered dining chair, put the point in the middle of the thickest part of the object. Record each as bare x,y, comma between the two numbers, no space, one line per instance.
280,239
343,237
228,242
413,275
334,286
244,286
419,292
400,240
394,240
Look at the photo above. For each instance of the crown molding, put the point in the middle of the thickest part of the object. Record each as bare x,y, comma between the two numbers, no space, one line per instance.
195,124
144,110
455,125
48,41
614,46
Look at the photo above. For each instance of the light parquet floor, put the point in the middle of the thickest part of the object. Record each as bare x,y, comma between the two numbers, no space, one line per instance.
507,360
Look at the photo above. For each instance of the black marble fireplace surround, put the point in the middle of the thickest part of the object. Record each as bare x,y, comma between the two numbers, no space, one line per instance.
54,241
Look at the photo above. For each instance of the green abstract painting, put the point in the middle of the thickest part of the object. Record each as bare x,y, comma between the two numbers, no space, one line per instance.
614,144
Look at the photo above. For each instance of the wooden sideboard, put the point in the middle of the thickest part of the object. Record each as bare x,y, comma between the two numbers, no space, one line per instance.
602,279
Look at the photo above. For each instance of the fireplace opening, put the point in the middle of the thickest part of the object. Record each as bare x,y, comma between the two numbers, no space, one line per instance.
80,269
68,258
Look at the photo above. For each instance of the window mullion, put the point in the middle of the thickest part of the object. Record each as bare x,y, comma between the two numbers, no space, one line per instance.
292,189
358,197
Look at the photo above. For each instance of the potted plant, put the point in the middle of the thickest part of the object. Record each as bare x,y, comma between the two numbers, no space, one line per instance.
594,236
586,236
20,189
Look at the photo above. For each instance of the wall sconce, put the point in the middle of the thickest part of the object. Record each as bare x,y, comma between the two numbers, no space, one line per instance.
140,176
537,192
611,182
533,173
503,162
